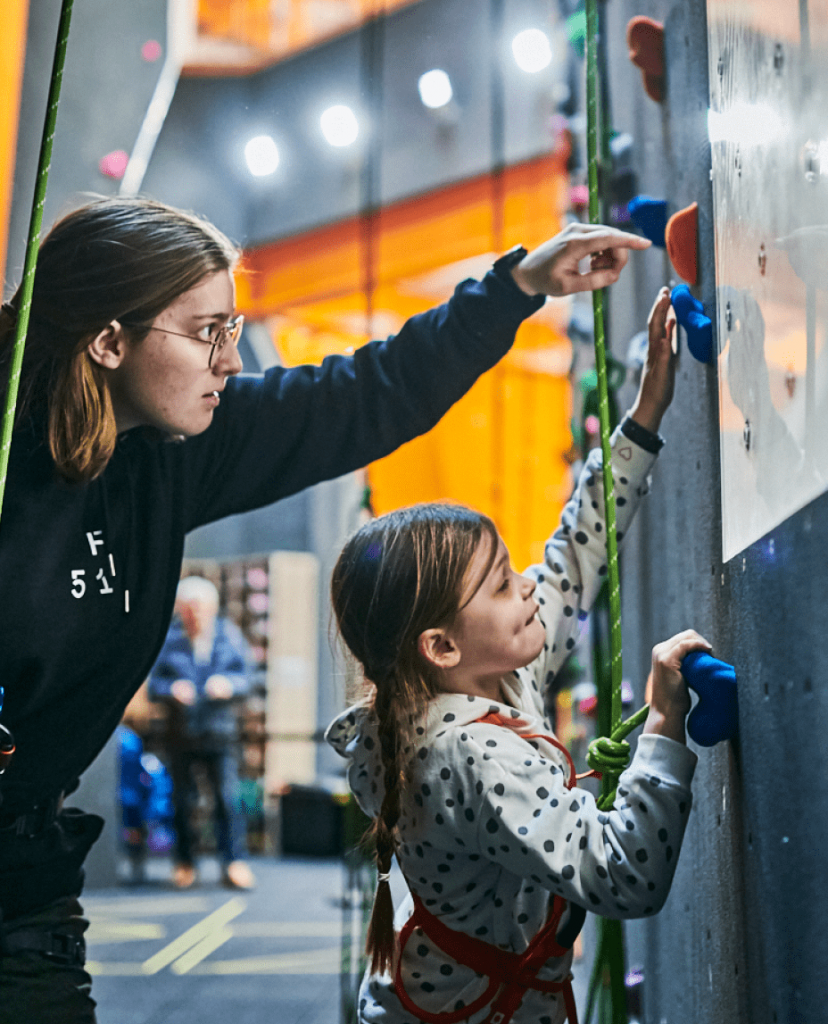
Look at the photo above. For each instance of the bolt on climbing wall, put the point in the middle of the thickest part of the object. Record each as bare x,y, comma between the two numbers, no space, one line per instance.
768,127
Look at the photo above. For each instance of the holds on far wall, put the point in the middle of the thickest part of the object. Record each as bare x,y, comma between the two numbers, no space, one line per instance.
114,164
645,39
650,217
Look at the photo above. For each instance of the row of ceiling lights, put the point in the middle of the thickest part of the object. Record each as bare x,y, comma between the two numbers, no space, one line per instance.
532,52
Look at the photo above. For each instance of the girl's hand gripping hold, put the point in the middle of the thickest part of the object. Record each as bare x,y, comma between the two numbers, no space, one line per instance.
669,697
658,377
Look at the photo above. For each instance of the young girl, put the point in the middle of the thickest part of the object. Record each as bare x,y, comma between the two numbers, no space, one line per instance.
454,758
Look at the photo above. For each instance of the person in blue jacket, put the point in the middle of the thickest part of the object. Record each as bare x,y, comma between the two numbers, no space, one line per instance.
133,428
200,672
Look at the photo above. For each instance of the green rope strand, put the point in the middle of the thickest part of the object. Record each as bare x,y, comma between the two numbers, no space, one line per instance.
610,777
35,223
609,752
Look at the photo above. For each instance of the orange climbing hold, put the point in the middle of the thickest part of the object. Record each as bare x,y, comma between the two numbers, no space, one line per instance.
645,39
681,237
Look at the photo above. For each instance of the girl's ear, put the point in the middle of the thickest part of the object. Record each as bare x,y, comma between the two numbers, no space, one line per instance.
108,347
438,648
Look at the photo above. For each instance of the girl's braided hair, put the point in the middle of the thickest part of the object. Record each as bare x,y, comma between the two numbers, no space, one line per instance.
397,576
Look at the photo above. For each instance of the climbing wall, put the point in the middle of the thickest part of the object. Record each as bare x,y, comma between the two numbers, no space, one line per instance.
742,936
768,127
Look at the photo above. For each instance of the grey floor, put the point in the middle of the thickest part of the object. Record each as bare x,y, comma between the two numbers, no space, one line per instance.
210,954
217,956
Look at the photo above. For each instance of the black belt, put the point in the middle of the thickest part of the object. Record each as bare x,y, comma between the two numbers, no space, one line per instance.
61,948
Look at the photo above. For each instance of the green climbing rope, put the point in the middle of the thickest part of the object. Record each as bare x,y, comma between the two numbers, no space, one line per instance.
32,242
610,777
609,753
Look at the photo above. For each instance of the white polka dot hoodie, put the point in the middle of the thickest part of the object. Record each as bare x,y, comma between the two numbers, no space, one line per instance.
489,831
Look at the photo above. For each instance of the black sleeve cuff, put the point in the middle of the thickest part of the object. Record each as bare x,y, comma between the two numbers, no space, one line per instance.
644,438
502,270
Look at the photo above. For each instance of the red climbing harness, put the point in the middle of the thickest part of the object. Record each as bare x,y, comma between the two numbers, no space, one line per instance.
509,974
494,718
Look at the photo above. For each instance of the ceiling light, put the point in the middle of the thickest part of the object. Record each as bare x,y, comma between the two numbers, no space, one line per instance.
262,156
339,125
435,89
532,50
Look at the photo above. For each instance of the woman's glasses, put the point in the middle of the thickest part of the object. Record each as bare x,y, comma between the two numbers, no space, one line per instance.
230,332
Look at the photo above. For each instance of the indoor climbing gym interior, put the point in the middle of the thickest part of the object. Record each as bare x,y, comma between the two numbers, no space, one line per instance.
366,157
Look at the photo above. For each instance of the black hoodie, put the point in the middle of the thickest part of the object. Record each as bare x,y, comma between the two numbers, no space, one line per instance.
89,571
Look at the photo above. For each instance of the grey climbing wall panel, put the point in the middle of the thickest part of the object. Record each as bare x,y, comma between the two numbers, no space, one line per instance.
768,127
741,939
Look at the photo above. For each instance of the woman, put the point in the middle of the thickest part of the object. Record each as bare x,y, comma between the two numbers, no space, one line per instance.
132,343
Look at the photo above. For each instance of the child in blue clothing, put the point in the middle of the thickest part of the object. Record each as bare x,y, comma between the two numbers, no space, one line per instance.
452,756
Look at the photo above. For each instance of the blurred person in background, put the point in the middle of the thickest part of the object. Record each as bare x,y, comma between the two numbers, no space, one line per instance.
200,673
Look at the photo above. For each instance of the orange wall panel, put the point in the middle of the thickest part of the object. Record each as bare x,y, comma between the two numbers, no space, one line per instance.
322,263
457,459
500,448
451,462
278,29
12,56
409,238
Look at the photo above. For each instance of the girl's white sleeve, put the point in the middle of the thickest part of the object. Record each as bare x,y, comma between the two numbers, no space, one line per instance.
618,863
575,558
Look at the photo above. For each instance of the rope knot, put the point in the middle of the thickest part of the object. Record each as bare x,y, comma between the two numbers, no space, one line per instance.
608,755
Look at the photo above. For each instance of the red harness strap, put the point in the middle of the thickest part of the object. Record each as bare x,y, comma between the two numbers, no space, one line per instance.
493,718
510,974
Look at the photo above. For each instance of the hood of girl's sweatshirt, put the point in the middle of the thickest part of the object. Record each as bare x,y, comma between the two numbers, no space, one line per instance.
354,735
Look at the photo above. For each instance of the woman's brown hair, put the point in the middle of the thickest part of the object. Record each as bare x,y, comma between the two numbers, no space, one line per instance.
399,575
112,259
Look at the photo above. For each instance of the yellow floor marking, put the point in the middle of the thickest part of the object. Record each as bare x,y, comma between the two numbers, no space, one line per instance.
288,929
209,944
123,931
317,961
139,907
98,968
213,922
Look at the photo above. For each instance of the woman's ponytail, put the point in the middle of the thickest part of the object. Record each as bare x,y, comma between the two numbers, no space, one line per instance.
82,429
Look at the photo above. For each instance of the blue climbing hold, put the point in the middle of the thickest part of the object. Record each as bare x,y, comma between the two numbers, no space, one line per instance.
692,317
650,217
716,716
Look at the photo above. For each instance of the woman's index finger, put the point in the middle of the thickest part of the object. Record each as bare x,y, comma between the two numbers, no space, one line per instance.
601,237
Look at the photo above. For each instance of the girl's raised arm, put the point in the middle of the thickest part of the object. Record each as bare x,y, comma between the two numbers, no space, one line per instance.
575,561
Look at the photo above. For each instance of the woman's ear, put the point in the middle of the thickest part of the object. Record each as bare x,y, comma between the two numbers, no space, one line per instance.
108,348
438,648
